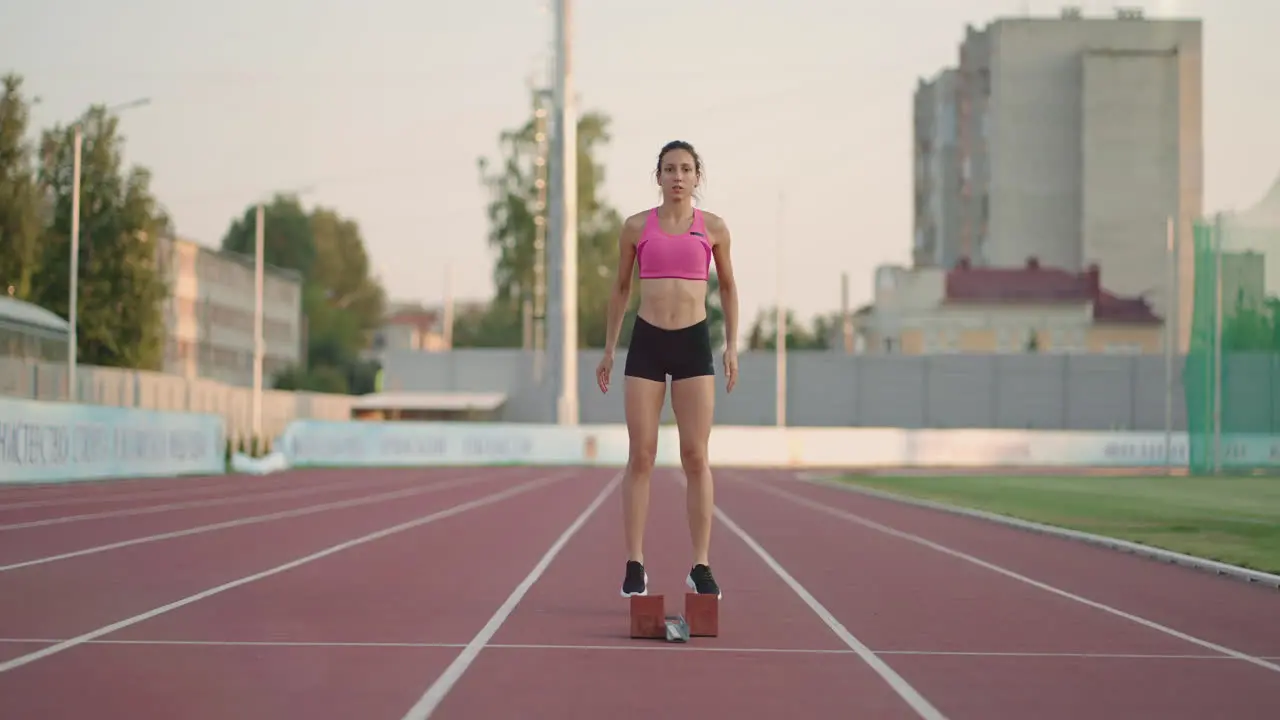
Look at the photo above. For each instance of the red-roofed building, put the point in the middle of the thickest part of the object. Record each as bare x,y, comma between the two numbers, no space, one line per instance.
412,327
1003,310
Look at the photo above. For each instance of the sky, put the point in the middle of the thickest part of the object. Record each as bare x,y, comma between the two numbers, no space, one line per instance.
801,110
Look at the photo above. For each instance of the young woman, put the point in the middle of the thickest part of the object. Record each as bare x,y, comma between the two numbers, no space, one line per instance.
673,244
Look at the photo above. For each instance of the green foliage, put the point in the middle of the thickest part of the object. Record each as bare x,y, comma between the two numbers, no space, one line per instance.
121,290
764,332
287,242
511,213
21,227
341,299
1033,342
497,325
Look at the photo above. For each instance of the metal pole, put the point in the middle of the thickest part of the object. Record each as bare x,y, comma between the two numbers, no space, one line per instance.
1217,345
448,306
539,311
1170,311
259,243
780,328
74,279
846,321
72,340
568,414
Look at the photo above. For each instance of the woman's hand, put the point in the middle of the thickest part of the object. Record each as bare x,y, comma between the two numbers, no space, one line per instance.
603,370
730,368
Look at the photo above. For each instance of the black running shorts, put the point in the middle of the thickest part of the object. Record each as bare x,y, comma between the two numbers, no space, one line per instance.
655,353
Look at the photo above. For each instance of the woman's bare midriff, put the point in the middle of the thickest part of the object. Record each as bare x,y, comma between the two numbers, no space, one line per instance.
671,303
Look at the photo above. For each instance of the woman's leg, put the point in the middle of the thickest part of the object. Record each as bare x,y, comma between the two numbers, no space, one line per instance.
643,411
693,400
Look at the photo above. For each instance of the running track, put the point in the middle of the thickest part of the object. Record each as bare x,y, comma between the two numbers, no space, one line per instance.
493,593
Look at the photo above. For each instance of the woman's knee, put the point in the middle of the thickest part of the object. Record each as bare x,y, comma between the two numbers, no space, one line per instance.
693,456
641,458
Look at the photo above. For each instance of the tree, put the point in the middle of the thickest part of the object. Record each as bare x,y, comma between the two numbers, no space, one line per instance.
121,290
342,269
763,333
498,325
342,301
21,227
512,230
287,241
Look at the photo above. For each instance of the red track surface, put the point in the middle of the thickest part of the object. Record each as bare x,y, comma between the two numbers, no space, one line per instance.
416,593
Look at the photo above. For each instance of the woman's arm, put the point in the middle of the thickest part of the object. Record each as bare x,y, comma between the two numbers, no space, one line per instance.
620,295
728,294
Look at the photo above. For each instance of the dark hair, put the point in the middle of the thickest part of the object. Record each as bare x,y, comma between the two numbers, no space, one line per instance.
679,145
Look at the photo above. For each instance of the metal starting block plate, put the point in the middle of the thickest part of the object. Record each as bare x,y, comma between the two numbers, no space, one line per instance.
677,629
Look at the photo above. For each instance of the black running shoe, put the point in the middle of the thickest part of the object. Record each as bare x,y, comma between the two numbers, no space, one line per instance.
702,582
636,581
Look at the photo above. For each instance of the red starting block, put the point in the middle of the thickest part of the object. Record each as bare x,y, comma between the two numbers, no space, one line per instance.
703,613
649,620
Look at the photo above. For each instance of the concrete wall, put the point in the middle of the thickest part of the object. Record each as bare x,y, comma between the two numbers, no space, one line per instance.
1072,392
116,387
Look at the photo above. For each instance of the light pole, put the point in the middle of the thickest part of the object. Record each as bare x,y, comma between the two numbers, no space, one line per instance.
72,385
780,330
259,280
259,231
565,192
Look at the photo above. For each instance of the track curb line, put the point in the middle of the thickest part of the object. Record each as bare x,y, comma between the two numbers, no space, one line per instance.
1252,577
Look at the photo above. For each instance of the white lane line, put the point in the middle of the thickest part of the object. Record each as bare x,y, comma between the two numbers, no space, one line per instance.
396,645
87,491
923,707
72,498
378,535
1216,567
909,694
871,524
436,693
657,647
253,519
1071,655
189,504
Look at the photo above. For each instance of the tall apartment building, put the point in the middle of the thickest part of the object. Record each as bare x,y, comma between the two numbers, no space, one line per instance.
1078,138
209,314
937,172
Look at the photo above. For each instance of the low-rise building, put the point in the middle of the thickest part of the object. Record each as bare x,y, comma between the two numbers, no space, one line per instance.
1003,310
209,313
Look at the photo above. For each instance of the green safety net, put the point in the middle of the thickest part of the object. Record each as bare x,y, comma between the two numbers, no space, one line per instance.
1231,379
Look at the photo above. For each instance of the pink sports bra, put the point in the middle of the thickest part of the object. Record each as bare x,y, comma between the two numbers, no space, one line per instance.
686,256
